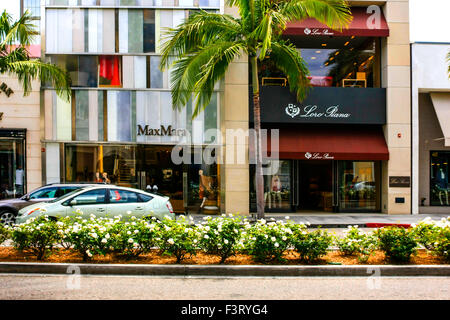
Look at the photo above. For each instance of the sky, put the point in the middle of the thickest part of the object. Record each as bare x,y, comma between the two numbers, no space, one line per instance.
429,20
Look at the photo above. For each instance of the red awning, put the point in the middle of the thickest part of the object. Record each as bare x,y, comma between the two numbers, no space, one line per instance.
363,25
329,143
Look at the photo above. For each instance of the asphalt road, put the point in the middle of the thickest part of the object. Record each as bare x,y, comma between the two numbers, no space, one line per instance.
75,287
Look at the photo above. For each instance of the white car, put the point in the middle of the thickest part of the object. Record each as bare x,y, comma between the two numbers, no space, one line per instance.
102,201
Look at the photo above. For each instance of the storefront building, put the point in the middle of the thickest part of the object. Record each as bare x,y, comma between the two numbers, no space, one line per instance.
347,147
431,128
119,125
20,146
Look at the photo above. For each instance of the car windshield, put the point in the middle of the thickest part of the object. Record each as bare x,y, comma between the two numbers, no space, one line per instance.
66,195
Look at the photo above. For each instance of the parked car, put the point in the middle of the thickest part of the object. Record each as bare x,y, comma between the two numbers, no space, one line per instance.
102,201
10,207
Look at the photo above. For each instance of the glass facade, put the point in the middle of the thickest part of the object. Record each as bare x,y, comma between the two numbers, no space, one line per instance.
320,186
12,167
359,185
439,178
119,125
146,167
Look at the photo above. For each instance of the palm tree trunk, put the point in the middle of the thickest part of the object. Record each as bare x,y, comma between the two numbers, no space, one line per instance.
259,179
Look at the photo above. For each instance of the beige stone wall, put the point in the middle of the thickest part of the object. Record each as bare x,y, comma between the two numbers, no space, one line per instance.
396,71
24,113
235,176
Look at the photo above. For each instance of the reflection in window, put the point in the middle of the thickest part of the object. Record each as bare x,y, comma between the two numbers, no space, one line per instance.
344,62
109,71
439,175
277,186
359,185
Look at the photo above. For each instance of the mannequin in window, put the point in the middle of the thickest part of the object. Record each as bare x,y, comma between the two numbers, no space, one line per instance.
204,189
276,190
442,186
97,177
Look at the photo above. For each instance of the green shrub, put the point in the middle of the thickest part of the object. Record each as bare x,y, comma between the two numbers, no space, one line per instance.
37,236
311,245
89,237
4,233
356,242
398,244
131,239
220,236
267,242
425,232
178,238
349,244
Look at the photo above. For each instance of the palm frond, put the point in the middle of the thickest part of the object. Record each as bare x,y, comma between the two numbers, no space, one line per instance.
198,31
288,60
336,14
22,31
29,70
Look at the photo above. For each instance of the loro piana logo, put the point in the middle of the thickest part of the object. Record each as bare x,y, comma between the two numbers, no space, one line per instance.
307,31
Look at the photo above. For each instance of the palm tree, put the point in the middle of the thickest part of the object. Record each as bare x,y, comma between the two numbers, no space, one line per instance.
15,36
206,43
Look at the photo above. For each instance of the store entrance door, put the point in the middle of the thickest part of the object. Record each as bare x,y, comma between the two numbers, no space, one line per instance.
12,168
314,185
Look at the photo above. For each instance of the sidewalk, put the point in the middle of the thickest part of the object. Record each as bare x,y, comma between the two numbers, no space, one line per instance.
342,220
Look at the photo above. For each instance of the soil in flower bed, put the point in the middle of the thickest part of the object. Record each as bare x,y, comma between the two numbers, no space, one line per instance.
9,254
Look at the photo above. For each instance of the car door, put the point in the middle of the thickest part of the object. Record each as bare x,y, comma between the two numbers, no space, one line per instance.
122,201
88,202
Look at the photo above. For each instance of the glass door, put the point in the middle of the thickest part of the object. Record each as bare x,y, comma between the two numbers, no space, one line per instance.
12,168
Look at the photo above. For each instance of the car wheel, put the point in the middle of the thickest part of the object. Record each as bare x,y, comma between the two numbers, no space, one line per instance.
7,218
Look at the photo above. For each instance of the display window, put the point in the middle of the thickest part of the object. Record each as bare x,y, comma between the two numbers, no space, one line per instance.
191,187
12,167
439,178
359,185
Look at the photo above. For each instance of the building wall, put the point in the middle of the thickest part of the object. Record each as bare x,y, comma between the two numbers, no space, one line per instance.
429,70
235,120
24,113
396,79
429,130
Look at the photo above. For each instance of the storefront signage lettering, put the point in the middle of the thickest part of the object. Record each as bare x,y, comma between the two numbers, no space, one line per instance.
311,111
318,156
317,32
1,115
399,182
162,131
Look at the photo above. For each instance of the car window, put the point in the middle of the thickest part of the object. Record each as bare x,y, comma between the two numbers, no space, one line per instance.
67,195
96,196
122,196
65,190
44,193
144,197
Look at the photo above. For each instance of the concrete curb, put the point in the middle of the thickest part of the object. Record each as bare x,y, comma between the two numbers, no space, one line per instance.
219,270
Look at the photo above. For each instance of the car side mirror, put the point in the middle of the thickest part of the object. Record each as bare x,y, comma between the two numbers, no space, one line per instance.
73,202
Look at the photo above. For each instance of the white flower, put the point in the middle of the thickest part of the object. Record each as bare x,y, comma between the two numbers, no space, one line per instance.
262,221
273,239
276,245
128,232
206,236
287,217
88,253
107,236
135,245
195,241
284,238
104,240
225,241
130,240
128,212
170,241
136,231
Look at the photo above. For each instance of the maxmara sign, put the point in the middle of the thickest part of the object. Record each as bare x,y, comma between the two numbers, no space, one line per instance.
328,105
146,130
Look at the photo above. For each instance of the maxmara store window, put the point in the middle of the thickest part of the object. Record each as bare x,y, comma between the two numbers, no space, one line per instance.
126,137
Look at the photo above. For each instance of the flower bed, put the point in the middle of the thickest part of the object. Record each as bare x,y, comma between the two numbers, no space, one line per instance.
226,240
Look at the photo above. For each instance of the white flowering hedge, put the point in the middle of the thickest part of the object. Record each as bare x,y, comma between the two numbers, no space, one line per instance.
223,236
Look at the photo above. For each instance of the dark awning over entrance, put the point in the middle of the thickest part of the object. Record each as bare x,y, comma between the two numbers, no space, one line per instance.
372,24
329,143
